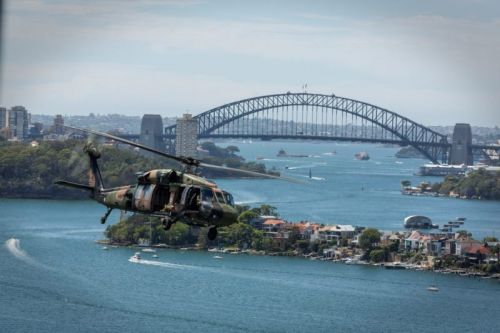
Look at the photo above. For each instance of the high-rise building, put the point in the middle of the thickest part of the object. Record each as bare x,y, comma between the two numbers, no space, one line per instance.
59,124
4,118
152,131
18,122
186,138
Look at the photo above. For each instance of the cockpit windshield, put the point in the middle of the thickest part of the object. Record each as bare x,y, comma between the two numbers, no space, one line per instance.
207,195
229,198
220,197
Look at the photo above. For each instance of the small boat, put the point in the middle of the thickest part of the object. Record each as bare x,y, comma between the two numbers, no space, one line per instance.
105,248
149,250
433,288
136,257
217,257
362,156
154,256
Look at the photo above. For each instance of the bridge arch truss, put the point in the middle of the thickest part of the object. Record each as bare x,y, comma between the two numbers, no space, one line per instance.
319,117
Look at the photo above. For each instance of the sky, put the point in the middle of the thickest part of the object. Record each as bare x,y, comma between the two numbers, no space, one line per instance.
433,61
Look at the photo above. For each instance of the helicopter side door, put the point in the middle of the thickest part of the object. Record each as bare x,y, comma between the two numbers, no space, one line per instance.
143,196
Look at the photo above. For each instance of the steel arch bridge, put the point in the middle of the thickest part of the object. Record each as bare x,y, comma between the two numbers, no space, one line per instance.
319,117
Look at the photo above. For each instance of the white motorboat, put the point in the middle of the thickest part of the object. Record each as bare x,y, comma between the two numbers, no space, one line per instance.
433,288
217,257
136,257
155,256
148,250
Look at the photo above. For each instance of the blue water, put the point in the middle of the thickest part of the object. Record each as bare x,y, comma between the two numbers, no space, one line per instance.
344,190
57,279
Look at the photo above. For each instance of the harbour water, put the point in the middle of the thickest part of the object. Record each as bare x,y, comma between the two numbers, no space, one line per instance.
54,277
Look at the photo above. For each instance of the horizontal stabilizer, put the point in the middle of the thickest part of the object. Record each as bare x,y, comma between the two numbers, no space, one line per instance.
74,185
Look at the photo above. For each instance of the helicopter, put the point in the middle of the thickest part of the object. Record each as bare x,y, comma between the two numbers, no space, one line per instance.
170,194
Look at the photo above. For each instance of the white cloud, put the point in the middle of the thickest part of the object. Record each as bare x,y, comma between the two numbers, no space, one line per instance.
405,63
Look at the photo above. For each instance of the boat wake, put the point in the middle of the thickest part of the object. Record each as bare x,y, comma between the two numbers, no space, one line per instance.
13,245
163,264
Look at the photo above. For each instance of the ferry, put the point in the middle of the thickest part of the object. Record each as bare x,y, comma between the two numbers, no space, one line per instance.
136,257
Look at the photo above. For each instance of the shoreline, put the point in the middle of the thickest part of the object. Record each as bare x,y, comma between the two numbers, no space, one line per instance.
346,261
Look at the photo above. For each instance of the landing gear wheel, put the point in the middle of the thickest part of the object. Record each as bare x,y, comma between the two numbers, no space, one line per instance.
167,223
212,233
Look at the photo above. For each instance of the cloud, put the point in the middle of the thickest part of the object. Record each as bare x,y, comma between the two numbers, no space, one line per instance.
107,56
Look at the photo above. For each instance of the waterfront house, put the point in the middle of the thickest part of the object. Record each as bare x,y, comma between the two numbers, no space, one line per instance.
335,232
434,244
307,229
257,222
413,241
272,226
462,244
475,252
450,247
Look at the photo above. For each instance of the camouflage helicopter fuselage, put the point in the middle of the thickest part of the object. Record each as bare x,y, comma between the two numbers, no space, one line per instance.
170,194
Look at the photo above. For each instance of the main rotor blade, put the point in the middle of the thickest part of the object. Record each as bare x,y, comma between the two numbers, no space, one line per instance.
249,173
187,161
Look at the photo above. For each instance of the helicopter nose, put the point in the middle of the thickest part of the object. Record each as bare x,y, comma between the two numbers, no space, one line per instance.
216,213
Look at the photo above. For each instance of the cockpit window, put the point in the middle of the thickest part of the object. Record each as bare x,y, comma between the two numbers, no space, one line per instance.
220,197
229,199
207,195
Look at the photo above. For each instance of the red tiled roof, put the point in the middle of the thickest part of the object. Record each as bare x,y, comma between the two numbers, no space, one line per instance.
475,248
273,222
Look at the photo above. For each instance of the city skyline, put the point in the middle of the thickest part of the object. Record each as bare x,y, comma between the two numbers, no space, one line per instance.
433,62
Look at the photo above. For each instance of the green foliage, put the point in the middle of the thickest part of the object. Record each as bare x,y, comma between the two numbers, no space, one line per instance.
377,255
490,239
238,234
476,184
227,156
247,216
369,238
30,172
135,227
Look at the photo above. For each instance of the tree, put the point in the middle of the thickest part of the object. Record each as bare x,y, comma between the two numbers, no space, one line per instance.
268,210
377,255
232,150
247,216
239,234
490,239
369,238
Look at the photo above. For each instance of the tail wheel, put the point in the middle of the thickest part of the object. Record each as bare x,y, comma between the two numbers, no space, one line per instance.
212,233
